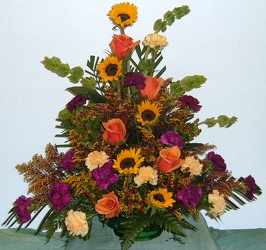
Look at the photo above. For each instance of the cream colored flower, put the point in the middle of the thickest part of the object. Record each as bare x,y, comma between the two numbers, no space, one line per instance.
146,174
155,40
192,165
96,159
218,203
76,223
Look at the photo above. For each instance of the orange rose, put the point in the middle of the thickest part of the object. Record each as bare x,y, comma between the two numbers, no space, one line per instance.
108,205
115,131
169,159
122,45
152,88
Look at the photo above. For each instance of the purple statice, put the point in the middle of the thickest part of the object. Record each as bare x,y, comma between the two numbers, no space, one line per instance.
217,160
59,196
67,162
135,79
77,101
172,138
190,102
105,175
190,195
22,205
252,186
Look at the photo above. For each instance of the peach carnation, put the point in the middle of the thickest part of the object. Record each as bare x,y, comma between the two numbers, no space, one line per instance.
146,174
96,159
76,223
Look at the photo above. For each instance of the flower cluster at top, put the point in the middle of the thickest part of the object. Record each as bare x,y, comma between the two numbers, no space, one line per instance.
130,135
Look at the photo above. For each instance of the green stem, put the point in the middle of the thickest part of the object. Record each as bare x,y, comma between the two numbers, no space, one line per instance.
147,52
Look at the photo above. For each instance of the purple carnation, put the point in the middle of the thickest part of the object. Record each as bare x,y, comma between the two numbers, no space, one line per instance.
191,102
173,138
135,79
60,196
190,195
251,184
22,205
67,162
218,161
105,175
75,102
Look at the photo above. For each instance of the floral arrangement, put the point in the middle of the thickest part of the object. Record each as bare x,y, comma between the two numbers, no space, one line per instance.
130,157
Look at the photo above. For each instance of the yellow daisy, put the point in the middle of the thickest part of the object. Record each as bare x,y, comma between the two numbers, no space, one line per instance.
148,113
123,14
110,69
161,198
128,161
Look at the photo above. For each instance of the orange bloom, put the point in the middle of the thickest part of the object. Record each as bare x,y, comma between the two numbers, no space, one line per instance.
169,159
115,131
122,45
108,205
152,88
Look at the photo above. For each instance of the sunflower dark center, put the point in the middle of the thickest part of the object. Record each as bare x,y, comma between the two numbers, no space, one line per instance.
148,115
124,17
159,197
127,163
111,69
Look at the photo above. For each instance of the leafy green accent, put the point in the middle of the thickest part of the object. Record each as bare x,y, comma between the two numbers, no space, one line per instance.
222,120
88,82
76,74
132,229
169,18
12,217
188,83
92,64
170,223
93,95
55,65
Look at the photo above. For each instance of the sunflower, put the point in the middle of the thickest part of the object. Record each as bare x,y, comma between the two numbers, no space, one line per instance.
128,161
123,14
148,113
161,198
110,69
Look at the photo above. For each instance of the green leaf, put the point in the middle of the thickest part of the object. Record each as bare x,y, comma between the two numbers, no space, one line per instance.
76,74
180,12
188,83
41,225
89,83
169,18
161,72
222,120
64,114
159,25
133,228
79,90
93,95
225,121
55,65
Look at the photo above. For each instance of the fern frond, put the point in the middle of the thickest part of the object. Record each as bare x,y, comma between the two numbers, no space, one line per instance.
132,229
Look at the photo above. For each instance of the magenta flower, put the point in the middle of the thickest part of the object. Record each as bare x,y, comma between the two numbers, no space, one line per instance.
22,205
76,102
190,102
67,162
172,138
218,161
190,195
59,196
105,175
251,184
135,79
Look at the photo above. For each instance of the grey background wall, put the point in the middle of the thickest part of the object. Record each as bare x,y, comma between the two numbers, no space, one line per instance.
223,40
